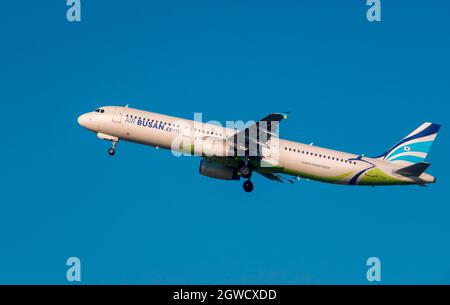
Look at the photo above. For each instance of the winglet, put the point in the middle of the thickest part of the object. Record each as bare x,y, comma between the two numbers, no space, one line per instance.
285,114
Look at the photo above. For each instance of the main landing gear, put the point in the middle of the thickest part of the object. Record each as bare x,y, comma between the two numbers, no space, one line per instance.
112,150
248,186
246,172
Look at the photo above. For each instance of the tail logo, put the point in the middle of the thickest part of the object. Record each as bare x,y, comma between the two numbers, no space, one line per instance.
414,147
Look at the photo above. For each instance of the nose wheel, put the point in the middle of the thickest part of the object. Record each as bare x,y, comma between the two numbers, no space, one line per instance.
248,186
112,150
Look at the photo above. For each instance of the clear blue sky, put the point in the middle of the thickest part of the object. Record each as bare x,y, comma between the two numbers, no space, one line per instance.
144,216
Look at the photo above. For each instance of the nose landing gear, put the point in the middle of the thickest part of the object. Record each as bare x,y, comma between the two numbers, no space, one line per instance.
112,150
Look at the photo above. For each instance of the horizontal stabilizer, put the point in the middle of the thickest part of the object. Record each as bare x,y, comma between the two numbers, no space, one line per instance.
275,177
414,170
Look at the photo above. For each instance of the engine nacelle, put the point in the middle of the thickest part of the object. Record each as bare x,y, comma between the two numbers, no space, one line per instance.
217,170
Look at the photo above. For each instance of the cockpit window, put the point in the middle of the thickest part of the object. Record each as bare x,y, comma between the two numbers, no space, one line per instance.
100,110
97,110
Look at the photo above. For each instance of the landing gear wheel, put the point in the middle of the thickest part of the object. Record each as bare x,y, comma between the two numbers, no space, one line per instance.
112,150
248,186
245,171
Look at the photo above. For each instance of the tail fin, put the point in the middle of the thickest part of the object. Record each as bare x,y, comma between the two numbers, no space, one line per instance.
415,147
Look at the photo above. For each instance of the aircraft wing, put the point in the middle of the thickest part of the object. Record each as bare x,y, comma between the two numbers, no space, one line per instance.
251,138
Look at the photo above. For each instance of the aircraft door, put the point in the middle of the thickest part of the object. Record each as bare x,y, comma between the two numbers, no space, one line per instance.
187,138
118,115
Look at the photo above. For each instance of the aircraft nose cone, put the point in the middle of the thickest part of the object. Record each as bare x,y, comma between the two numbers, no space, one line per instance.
83,120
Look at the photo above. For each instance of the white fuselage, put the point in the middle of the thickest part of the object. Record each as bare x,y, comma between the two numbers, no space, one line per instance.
283,156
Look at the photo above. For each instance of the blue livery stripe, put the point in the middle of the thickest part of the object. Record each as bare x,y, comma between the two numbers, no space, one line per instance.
430,130
413,159
422,147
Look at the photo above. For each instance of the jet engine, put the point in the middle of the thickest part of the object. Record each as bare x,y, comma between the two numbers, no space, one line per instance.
217,170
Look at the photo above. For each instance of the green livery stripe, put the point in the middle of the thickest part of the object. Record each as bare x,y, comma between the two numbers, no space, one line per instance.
377,177
329,179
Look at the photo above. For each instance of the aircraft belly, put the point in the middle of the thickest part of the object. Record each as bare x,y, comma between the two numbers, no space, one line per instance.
325,171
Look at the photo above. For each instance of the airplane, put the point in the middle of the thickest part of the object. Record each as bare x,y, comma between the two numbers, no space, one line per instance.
232,154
